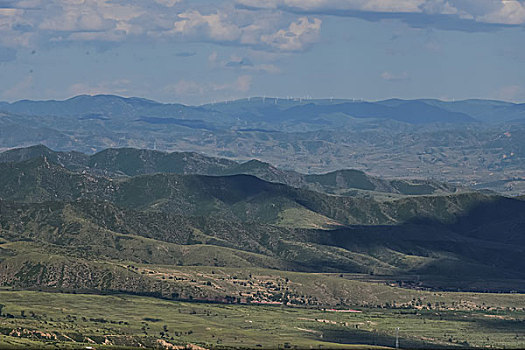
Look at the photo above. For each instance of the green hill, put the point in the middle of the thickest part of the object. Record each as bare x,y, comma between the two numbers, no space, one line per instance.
243,221
132,162
240,197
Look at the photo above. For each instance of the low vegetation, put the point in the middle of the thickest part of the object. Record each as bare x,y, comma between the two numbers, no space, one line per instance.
35,319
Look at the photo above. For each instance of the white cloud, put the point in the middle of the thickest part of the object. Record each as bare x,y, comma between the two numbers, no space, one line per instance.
9,12
30,22
249,28
71,20
442,7
510,12
9,19
271,25
262,4
91,16
361,5
33,22
94,36
168,3
356,5
216,26
298,35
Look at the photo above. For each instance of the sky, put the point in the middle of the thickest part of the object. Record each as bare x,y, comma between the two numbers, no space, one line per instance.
200,51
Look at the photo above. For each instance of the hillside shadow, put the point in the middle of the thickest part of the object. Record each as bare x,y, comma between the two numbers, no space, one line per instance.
487,241
366,338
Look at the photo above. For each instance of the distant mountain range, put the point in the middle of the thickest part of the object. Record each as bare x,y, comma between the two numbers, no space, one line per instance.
274,110
473,142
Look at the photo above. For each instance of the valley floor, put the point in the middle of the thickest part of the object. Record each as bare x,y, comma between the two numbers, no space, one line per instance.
31,319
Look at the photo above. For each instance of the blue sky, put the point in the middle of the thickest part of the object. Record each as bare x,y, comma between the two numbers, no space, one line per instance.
199,51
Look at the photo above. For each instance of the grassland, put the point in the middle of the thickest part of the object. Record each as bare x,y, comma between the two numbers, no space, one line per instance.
320,290
34,319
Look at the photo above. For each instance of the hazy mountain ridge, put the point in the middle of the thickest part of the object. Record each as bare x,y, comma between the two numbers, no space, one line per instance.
132,162
308,136
116,106
274,113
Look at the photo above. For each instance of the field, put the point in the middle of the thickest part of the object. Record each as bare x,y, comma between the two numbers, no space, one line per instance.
35,319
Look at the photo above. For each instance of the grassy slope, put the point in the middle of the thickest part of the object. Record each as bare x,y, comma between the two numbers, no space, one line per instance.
89,229
426,234
128,320
49,269
241,196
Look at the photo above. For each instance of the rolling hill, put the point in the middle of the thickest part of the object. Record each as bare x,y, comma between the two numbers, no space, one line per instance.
102,107
243,221
132,162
